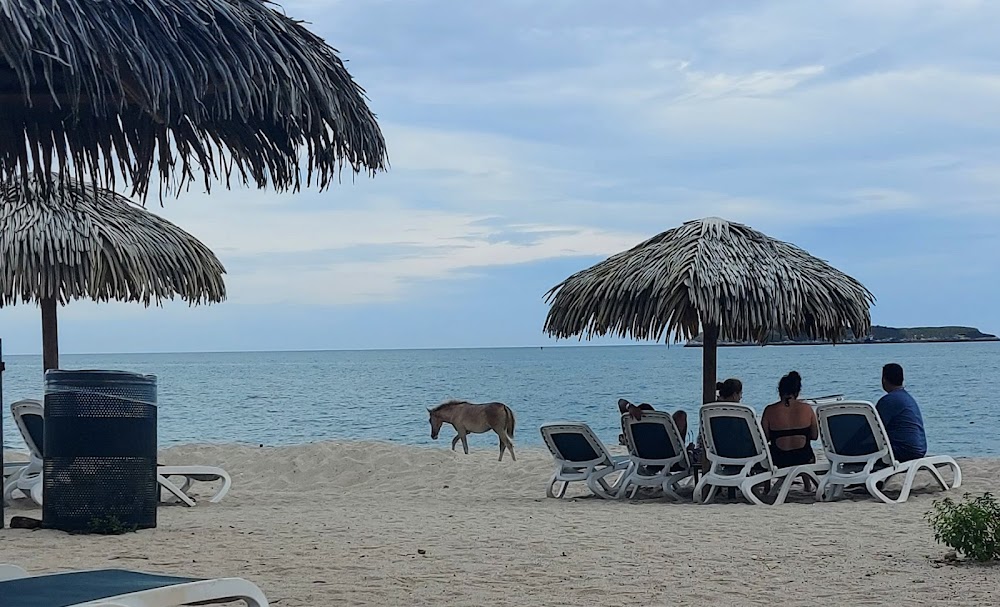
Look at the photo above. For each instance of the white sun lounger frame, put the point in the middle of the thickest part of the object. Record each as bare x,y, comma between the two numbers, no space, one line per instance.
666,478
847,470
28,480
745,479
592,472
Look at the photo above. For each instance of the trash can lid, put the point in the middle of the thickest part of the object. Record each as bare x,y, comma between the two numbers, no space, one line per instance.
90,376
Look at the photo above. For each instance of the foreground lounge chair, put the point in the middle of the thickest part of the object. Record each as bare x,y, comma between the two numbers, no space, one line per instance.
580,457
859,451
28,478
120,588
657,457
29,417
739,457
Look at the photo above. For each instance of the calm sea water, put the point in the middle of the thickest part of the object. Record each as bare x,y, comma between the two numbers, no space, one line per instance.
278,398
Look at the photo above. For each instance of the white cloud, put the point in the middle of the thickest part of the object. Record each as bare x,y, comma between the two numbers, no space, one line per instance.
371,281
532,134
408,245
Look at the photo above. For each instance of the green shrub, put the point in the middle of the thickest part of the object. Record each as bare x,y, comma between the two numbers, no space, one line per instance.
971,528
109,525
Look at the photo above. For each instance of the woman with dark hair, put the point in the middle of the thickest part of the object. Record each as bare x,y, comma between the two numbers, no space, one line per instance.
729,391
790,425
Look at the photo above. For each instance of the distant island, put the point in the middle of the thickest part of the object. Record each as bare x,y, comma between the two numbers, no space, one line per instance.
878,335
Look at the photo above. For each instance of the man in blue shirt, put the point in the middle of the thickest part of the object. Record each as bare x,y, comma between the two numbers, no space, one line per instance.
901,416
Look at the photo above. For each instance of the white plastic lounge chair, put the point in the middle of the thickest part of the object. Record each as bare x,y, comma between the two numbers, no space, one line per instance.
120,588
738,455
29,417
657,457
580,457
859,451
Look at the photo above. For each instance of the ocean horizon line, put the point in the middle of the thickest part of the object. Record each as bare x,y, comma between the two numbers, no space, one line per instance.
678,344
320,350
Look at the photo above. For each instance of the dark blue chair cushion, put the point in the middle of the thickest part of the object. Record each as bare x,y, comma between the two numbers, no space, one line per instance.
35,425
851,435
652,441
574,447
732,437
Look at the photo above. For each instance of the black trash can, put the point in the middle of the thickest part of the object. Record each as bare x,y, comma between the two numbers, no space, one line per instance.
100,451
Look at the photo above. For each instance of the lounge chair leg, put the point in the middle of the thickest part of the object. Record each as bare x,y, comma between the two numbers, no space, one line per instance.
671,492
747,490
172,488
957,473
550,488
712,492
934,472
699,488
227,482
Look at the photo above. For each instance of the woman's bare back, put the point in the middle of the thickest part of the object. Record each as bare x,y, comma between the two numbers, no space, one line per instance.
796,415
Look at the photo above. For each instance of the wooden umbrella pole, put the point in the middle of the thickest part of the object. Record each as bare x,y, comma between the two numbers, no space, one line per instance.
709,359
50,335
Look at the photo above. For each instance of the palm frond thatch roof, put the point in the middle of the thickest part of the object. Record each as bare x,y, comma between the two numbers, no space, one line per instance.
79,242
221,87
710,272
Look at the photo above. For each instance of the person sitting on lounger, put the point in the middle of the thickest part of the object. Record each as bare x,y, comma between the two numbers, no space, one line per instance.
790,425
624,406
901,416
729,391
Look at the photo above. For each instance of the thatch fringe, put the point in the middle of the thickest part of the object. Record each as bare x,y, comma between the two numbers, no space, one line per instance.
96,244
710,272
214,86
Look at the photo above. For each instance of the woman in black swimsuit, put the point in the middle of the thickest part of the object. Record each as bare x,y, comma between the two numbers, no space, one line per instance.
790,425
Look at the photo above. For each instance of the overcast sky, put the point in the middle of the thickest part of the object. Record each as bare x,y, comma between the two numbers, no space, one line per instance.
530,139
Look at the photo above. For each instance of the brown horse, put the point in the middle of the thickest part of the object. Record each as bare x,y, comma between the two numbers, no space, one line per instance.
473,418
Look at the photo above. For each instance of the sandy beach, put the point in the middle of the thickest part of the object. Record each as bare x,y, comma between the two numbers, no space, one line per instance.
353,523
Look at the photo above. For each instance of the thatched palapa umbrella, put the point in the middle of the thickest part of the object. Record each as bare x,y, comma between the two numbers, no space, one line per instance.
732,281
93,88
77,241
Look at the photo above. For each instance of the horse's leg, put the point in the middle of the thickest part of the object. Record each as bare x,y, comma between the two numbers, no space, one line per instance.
505,440
505,443
465,443
454,442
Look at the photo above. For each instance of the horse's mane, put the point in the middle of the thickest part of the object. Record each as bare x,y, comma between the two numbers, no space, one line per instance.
448,404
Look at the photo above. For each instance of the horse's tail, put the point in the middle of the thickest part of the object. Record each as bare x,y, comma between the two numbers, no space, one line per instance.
510,420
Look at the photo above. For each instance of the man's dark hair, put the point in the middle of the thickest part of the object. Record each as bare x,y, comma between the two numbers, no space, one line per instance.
893,374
